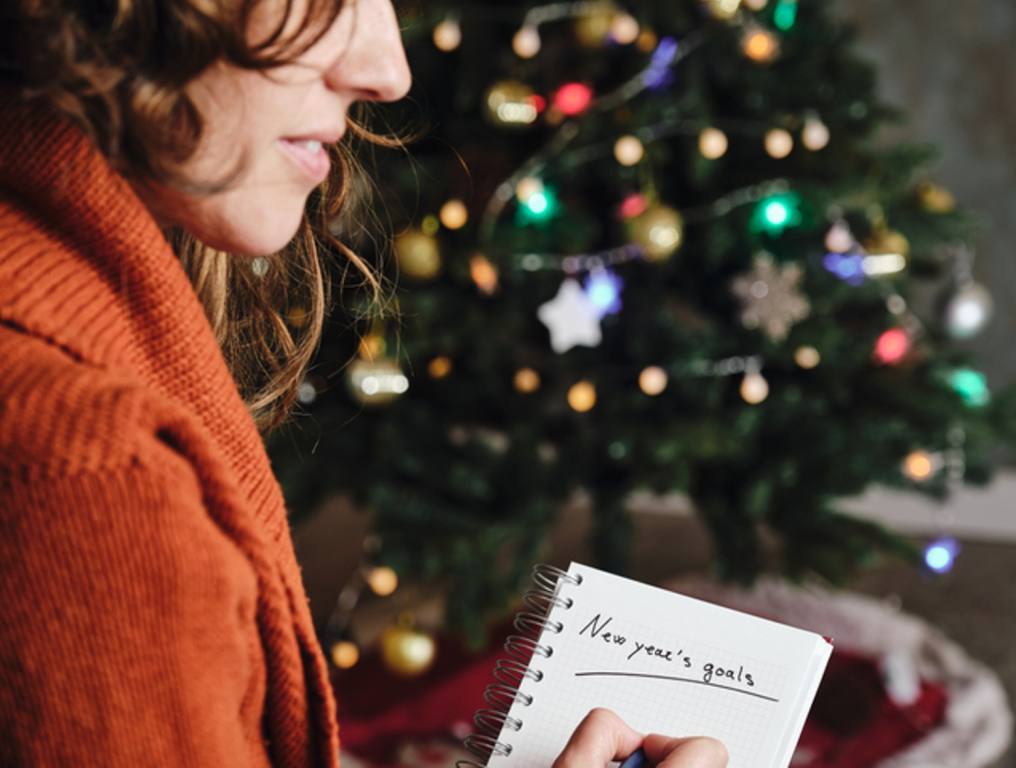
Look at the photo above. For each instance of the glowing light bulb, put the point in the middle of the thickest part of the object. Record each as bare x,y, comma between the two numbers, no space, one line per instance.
382,580
839,239
345,654
807,357
604,292
815,135
760,45
892,346
754,388
573,98
971,386
582,396
779,143
484,274
712,143
919,466
527,381
454,214
653,380
624,29
448,35
528,187
526,42
629,151
439,367
940,555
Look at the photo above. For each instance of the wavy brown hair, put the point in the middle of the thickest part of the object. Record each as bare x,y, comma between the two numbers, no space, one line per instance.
118,68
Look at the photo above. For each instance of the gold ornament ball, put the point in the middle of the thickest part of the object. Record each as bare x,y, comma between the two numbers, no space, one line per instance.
629,151
526,42
510,103
887,241
754,388
919,466
418,255
448,35
935,198
807,357
722,9
593,26
653,380
376,382
454,214
779,143
407,651
344,654
582,397
527,381
712,143
659,230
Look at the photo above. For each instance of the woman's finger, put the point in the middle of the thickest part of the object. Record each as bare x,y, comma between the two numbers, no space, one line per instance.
600,738
692,752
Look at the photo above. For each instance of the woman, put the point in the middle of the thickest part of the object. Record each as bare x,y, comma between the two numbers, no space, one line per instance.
154,612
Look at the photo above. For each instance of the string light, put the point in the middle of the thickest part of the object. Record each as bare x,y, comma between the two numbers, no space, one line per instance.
345,654
892,346
754,388
448,35
785,15
815,135
775,213
839,239
538,207
439,367
527,381
629,151
526,42
920,466
582,396
779,143
382,580
483,273
653,380
454,214
807,357
722,9
760,45
573,98
940,555
624,29
755,5
712,143
604,292
528,187
971,386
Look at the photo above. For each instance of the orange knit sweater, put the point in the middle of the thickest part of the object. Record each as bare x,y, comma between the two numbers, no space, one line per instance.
152,611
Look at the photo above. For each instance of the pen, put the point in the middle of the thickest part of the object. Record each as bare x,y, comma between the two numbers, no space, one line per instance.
636,759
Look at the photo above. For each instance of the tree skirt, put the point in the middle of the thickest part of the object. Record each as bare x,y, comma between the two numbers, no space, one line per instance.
896,694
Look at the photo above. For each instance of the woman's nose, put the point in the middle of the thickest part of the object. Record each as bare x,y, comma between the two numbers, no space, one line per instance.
374,64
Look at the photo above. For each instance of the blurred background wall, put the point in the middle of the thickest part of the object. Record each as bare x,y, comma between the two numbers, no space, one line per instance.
950,65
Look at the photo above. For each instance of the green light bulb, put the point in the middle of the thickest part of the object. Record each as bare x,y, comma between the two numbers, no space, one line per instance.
971,386
777,212
785,15
538,208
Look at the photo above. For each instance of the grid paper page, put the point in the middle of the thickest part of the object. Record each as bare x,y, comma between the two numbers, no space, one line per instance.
669,664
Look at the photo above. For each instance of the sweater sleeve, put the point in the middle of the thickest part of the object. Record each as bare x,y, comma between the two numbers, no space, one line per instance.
128,634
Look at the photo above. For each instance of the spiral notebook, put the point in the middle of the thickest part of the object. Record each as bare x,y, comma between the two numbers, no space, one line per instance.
664,662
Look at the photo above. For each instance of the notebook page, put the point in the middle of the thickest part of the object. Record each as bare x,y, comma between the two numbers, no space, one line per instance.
670,664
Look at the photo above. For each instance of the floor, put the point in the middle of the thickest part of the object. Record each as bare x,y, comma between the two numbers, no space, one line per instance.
975,604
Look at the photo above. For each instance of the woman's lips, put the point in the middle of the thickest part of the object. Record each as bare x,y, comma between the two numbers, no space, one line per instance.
309,155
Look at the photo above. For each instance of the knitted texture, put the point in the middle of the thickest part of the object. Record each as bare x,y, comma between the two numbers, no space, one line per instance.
153,611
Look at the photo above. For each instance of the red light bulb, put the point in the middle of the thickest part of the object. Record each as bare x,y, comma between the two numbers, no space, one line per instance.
573,98
892,346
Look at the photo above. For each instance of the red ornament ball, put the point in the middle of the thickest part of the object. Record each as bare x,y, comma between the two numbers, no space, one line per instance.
573,98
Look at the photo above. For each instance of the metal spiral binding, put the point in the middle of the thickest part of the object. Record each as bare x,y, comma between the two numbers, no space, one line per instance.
511,672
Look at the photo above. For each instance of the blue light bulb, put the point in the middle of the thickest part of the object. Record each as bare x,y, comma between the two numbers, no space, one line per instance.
603,289
940,555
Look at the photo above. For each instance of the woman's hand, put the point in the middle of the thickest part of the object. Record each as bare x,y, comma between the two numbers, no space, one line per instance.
603,737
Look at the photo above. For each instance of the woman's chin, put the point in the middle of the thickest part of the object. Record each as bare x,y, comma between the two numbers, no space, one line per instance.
268,231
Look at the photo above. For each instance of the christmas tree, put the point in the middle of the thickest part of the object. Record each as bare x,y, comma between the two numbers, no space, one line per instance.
648,245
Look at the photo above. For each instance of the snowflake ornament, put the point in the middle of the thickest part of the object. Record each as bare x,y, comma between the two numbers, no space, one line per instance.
771,298
571,318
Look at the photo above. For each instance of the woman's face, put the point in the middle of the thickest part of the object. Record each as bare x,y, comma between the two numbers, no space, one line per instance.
275,125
